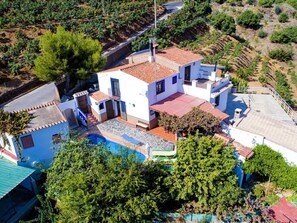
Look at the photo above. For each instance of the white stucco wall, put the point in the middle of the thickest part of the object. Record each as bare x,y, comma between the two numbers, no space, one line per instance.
223,100
251,140
43,151
133,92
9,147
169,90
95,105
196,92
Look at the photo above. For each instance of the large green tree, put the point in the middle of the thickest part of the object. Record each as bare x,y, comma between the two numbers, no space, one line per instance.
67,54
94,185
272,166
204,172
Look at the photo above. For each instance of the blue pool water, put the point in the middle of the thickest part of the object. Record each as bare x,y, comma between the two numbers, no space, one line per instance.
113,146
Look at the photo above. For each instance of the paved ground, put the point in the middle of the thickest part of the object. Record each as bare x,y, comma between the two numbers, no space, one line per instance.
263,104
118,128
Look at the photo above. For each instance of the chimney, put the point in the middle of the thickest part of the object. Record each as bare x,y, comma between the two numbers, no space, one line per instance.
151,48
213,76
237,114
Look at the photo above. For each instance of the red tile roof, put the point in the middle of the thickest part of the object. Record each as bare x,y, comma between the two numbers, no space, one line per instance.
149,72
207,107
145,71
99,96
179,56
177,104
283,211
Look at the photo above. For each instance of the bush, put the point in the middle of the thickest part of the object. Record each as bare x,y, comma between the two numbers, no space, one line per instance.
248,19
262,34
266,3
277,10
283,17
286,35
281,54
259,191
223,22
272,199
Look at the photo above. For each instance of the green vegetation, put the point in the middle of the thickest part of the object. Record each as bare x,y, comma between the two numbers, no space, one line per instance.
190,20
259,191
263,77
95,185
293,77
268,163
245,73
287,35
204,173
223,22
195,120
266,3
262,34
281,54
277,10
67,54
271,199
248,19
283,17
13,123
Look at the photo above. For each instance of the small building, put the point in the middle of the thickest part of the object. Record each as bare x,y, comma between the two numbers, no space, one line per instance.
132,91
44,132
17,191
261,120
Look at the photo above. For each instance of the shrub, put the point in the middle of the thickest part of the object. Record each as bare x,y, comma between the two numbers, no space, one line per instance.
281,54
283,17
277,10
272,199
266,3
248,19
286,35
223,22
262,34
259,191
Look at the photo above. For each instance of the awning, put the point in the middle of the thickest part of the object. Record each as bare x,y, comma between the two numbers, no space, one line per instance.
11,176
180,104
177,104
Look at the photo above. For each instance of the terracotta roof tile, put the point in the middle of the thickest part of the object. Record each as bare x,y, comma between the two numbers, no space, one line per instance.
244,151
179,56
283,211
207,107
99,96
149,72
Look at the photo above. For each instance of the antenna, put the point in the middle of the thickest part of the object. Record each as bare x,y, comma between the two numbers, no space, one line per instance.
155,8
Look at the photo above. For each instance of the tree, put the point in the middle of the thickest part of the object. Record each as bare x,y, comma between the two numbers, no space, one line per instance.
94,185
271,164
281,54
204,172
287,35
248,19
195,120
67,54
223,22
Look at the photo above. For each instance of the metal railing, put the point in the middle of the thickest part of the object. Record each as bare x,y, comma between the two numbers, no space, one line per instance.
287,108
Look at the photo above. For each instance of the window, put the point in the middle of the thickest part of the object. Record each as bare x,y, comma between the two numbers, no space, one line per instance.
217,100
115,87
56,138
27,141
160,87
174,80
152,112
101,106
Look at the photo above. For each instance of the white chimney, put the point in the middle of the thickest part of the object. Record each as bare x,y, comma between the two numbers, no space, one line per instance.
237,113
213,76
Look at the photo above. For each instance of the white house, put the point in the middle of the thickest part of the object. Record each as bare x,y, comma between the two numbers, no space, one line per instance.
44,132
132,91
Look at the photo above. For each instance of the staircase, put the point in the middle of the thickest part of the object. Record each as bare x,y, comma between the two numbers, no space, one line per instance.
91,120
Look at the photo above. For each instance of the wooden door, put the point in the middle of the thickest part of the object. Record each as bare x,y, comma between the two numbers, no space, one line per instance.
109,109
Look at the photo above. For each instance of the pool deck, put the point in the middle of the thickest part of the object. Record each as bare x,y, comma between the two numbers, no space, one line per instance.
113,129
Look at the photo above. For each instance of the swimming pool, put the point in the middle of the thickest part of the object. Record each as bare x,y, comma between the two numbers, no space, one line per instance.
113,146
